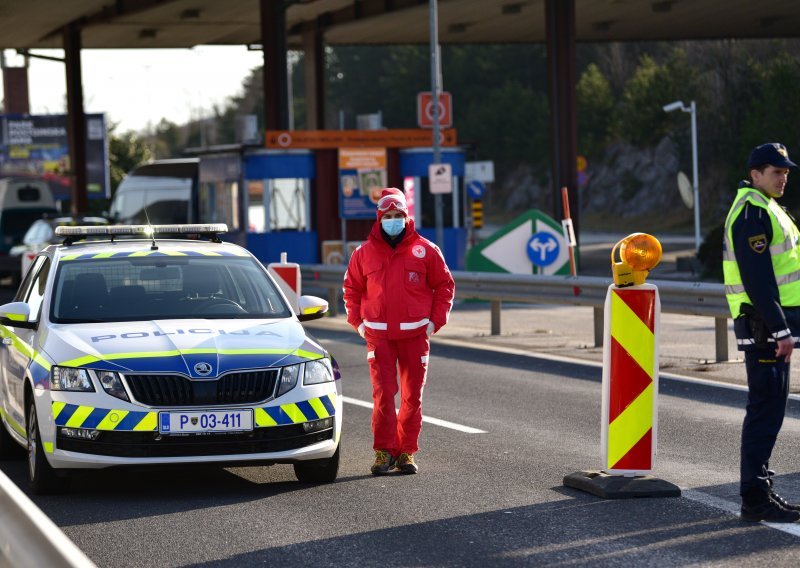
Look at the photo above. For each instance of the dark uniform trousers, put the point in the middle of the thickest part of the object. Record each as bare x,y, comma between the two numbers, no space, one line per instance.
768,384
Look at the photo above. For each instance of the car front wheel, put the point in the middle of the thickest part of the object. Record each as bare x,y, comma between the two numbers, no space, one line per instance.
42,477
319,472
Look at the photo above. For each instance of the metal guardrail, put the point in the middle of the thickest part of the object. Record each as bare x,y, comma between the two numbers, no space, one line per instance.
28,538
687,298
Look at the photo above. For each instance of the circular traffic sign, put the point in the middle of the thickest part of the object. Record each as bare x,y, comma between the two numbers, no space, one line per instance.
543,248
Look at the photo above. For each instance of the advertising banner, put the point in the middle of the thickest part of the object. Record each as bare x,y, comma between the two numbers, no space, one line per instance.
37,145
362,175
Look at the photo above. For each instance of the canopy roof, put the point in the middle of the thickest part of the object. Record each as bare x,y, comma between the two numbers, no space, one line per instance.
186,23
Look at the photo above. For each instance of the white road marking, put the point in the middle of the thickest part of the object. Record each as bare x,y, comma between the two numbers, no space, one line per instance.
428,419
733,509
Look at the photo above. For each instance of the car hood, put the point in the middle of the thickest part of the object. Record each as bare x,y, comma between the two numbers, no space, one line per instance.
197,348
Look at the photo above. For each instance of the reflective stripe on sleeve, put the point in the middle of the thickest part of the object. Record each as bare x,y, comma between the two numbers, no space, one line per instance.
376,325
414,324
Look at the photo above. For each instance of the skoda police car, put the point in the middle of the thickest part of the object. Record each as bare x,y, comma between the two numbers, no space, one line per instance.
162,345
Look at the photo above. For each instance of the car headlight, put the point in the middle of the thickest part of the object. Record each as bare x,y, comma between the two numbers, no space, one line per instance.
71,379
318,371
288,379
112,384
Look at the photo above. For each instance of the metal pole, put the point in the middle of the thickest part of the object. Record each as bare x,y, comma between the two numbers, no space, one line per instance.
435,90
693,110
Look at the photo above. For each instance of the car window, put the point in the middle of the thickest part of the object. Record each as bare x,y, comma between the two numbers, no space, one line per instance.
36,290
164,287
24,287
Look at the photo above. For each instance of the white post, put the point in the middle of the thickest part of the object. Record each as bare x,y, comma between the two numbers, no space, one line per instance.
435,90
693,110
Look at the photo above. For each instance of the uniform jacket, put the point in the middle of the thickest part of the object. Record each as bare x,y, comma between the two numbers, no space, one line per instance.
758,277
395,292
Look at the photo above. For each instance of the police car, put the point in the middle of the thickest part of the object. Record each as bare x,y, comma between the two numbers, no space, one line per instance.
162,345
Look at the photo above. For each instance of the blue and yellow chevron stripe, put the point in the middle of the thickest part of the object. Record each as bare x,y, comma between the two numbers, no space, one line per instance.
81,416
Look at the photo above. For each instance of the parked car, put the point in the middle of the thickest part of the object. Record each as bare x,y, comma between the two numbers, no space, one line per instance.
42,233
155,351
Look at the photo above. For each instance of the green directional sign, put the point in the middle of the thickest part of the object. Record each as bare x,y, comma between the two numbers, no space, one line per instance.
533,243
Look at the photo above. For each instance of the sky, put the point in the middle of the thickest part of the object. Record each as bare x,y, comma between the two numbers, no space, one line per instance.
137,88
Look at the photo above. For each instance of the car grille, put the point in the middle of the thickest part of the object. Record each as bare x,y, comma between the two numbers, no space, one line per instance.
153,445
178,390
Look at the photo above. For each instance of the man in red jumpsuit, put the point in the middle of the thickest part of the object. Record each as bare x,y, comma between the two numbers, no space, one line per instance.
398,291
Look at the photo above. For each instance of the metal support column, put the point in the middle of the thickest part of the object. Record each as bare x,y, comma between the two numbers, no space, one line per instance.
76,121
314,73
561,73
276,81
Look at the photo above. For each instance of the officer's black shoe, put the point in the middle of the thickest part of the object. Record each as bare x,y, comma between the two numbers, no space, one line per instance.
758,506
783,502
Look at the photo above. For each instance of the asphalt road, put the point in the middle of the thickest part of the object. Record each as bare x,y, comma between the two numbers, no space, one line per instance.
481,499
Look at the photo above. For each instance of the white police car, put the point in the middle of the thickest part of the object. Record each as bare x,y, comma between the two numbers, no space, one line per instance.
161,350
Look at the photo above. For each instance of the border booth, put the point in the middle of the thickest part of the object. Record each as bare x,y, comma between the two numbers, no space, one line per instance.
414,164
279,209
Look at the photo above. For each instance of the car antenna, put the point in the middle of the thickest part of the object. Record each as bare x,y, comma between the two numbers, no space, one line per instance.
153,246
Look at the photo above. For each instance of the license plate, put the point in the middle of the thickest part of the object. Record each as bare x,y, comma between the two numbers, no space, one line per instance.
205,421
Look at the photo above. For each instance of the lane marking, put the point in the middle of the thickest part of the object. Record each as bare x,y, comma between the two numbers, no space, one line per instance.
733,509
428,419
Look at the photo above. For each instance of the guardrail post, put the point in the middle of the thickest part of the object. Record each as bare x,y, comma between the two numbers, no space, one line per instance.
333,301
721,338
496,309
598,327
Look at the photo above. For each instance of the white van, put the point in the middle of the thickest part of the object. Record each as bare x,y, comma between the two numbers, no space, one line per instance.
22,201
161,192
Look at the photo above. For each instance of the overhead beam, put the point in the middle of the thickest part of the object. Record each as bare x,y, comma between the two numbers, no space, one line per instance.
359,10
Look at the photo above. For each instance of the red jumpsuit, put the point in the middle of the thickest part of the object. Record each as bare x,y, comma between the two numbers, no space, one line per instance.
396,292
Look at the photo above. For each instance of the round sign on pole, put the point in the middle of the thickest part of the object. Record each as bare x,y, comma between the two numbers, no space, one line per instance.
543,249
685,189
475,189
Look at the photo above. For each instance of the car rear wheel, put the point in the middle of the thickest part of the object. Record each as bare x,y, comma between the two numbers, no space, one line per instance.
42,478
319,472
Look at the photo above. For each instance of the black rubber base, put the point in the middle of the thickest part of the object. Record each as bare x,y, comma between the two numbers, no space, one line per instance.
620,487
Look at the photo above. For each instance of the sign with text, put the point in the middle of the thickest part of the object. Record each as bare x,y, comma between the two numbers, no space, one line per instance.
362,176
440,178
425,110
37,145
333,139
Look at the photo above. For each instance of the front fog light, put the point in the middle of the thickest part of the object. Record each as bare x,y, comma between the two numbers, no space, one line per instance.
71,379
318,371
288,379
317,425
112,384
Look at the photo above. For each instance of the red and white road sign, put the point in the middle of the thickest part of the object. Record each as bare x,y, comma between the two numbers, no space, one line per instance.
425,110
287,276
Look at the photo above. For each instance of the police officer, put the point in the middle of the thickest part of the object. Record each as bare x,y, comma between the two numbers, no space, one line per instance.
761,265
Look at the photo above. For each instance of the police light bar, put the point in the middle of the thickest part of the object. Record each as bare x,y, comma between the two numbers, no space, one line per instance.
142,230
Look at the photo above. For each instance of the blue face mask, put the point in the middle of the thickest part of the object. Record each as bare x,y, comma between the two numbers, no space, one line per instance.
393,227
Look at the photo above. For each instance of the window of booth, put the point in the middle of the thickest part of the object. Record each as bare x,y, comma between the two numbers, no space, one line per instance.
283,207
219,203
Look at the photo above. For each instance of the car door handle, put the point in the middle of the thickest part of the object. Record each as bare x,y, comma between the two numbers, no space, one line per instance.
7,341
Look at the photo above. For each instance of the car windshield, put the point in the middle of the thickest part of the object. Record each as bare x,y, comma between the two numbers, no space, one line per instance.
163,287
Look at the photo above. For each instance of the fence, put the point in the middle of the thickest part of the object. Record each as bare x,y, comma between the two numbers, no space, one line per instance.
687,298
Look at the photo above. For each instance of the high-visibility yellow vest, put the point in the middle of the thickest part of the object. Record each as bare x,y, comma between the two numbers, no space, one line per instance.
784,249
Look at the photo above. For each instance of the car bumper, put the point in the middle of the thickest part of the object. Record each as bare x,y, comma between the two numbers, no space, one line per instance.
290,437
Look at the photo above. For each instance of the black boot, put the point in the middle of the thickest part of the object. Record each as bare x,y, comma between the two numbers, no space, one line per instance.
777,498
757,505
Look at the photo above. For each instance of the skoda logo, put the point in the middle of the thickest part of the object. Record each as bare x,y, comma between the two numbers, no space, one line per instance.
203,369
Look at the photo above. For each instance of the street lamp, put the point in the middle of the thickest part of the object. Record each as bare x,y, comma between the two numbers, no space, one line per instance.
692,108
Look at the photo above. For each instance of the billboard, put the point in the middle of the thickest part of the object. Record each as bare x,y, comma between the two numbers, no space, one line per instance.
362,176
37,145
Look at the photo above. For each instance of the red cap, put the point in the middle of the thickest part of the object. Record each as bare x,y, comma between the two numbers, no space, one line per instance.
392,198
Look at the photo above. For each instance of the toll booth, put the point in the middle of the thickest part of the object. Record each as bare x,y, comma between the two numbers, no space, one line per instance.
414,164
278,199
219,198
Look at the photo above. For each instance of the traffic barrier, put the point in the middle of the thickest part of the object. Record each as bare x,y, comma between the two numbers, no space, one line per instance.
288,277
630,380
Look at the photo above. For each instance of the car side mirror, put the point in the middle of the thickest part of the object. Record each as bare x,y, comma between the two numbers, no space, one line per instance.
311,308
16,314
